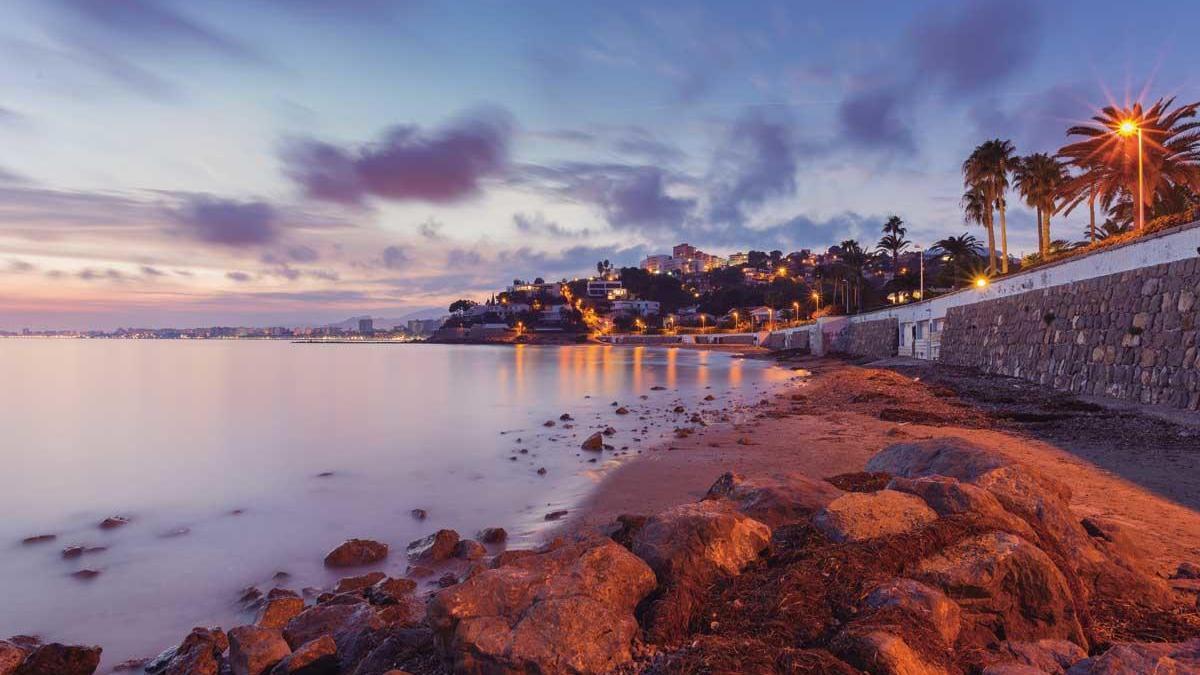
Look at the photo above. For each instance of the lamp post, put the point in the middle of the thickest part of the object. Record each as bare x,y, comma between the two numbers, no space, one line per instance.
817,296
796,312
1128,128
921,257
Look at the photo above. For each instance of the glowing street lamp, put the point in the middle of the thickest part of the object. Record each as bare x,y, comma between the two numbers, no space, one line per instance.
796,311
817,296
1128,128
981,282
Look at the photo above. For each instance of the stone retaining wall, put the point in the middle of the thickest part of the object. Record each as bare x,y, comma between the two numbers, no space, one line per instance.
868,338
1130,335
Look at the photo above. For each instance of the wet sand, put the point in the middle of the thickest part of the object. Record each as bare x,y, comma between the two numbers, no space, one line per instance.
1143,471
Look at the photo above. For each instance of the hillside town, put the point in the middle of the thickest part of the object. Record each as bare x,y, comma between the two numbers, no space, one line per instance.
691,291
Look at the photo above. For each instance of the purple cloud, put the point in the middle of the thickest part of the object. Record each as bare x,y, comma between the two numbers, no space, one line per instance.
151,23
981,44
227,222
394,257
408,164
874,118
239,277
756,163
628,195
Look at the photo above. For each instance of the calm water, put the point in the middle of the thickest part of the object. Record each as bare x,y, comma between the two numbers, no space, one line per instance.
178,435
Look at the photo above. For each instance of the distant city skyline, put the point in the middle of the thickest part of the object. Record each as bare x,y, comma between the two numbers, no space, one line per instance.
272,162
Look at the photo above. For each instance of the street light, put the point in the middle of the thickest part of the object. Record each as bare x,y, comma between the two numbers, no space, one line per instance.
981,282
921,256
1128,128
817,296
796,312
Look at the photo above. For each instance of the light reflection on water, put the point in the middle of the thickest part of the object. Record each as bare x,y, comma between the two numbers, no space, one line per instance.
178,434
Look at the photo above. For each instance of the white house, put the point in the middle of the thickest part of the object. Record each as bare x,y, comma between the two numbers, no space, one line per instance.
636,307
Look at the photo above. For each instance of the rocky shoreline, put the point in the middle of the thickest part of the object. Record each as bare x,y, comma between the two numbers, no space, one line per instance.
938,555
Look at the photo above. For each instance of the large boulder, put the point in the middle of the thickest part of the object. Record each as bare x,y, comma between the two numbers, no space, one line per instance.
922,602
1007,586
949,496
356,552
882,652
318,657
1164,658
278,611
60,659
857,516
947,456
566,610
689,547
198,654
11,656
255,651
775,500
1041,656
354,628
437,547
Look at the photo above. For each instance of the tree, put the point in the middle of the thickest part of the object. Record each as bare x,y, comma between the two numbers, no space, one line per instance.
604,268
462,306
986,171
1107,161
961,256
1039,179
893,241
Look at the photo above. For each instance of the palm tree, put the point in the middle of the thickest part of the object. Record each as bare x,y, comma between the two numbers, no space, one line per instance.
986,172
960,256
1039,179
1171,151
974,204
854,259
893,241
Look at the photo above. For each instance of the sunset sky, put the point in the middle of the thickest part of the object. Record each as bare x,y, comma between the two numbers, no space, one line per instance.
254,162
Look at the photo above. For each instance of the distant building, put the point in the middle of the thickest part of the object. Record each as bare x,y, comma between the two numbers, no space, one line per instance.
739,258
605,288
366,326
636,307
424,327
684,259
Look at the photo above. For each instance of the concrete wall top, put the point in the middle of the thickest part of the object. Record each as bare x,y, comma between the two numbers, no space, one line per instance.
1178,243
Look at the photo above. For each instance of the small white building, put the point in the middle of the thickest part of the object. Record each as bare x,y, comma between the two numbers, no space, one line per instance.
636,307
604,288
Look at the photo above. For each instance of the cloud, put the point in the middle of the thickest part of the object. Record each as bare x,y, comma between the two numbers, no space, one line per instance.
536,223
757,162
874,118
629,196
459,258
227,222
430,229
394,257
239,277
981,44
92,274
444,165
301,253
151,23
20,266
149,271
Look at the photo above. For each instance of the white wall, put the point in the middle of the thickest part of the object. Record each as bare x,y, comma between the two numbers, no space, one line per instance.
1167,246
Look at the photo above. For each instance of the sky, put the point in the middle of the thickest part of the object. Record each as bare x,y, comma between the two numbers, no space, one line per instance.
263,162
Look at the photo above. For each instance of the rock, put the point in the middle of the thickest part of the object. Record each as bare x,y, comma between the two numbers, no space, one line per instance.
622,410
883,653
11,656
355,552
566,417
689,547
1042,656
947,497
447,580
594,443
60,659
555,515
493,535
318,657
1163,658
1007,585
128,665
919,600
1187,570
857,516
400,646
436,547
469,549
72,552
390,591
198,654
351,584
566,610
38,539
255,651
774,500
277,612
278,592
86,574
419,514
549,423
509,557
113,522
658,387
354,628
609,431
